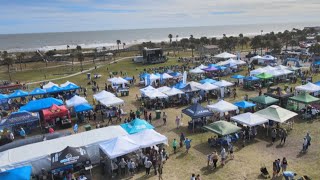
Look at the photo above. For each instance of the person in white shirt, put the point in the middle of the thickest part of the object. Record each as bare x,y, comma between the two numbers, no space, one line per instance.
147,165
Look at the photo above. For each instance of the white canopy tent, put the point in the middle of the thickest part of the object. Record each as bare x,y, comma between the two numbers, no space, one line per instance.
102,95
173,91
166,76
249,119
66,84
155,94
118,80
148,138
194,84
196,71
257,71
207,86
276,113
147,89
225,55
118,146
49,85
154,77
275,73
266,58
232,62
282,67
309,87
75,101
38,154
163,89
202,67
222,106
255,57
269,68
111,101
223,83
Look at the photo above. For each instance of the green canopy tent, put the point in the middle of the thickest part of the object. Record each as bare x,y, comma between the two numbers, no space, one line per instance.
265,76
303,98
222,128
264,100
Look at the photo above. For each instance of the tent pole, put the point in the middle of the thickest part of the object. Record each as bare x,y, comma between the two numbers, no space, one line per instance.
193,126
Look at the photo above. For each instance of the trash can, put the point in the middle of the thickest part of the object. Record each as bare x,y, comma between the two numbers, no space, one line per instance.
87,127
158,114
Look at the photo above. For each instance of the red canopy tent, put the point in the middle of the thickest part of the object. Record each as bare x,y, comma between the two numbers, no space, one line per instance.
51,114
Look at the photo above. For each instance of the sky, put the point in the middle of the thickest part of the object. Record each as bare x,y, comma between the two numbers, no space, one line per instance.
33,16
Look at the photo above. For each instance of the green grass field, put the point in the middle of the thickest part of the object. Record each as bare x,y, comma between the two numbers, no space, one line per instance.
248,159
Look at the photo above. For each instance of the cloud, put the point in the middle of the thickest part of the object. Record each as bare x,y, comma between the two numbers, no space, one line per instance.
76,15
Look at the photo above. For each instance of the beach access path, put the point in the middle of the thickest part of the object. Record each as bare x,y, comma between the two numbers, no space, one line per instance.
81,72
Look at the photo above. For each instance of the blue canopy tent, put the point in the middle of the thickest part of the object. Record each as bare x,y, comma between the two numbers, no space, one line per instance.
251,78
212,65
18,93
54,89
70,87
37,105
3,96
37,91
175,74
221,67
17,118
128,78
20,173
238,76
180,85
144,75
316,83
83,107
137,125
244,104
196,111
211,81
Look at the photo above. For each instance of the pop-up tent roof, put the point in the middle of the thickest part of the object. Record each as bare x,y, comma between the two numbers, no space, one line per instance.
257,71
111,101
20,173
244,104
17,118
118,146
155,94
166,76
83,107
207,86
249,119
265,100
197,111
102,95
212,68
264,75
189,88
309,87
222,106
207,80
18,93
70,87
76,100
54,111
69,156
180,85
223,83
54,89
268,58
239,76
163,89
39,104
49,85
37,91
148,138
196,71
136,126
118,80
202,66
255,57
225,55
276,113
147,89
222,128
304,98
173,91
251,78
269,68
66,84
3,96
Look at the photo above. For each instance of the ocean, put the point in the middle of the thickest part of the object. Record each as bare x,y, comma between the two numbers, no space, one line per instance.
108,38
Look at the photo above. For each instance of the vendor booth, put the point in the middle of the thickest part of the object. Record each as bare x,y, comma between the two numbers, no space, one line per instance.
281,95
18,93
137,125
264,101
102,95
222,107
309,87
266,79
39,104
301,102
249,119
251,83
49,85
245,105
54,90
76,100
56,115
83,108
37,91
198,115
20,173
70,158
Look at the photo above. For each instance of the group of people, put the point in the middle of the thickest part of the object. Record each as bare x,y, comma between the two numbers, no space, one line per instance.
278,166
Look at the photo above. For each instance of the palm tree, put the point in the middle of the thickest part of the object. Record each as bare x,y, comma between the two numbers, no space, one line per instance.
123,45
8,61
4,54
79,48
118,43
184,42
20,57
104,53
192,47
80,57
170,38
255,43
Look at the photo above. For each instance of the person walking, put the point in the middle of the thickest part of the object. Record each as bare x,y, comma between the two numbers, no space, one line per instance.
177,122
278,166
273,135
274,168
223,155
283,136
123,165
187,142
284,164
193,177
214,159
304,145
182,139
164,118
174,145
147,165
150,118
209,158
230,149
308,137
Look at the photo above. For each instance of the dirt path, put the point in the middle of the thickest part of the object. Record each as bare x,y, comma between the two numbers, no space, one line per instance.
77,73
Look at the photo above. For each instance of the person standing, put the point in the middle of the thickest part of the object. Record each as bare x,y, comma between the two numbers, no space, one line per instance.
283,136
304,145
230,149
278,166
308,137
177,122
182,138
110,118
284,164
273,135
198,177
223,155
214,157
193,177
174,145
147,165
164,117
274,168
150,118
187,142
75,128
22,132
123,165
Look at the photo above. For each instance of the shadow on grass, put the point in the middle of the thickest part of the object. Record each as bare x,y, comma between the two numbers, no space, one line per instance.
147,176
260,176
182,155
300,154
205,149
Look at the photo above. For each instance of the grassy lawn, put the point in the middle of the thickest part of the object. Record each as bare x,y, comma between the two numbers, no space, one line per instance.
248,159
